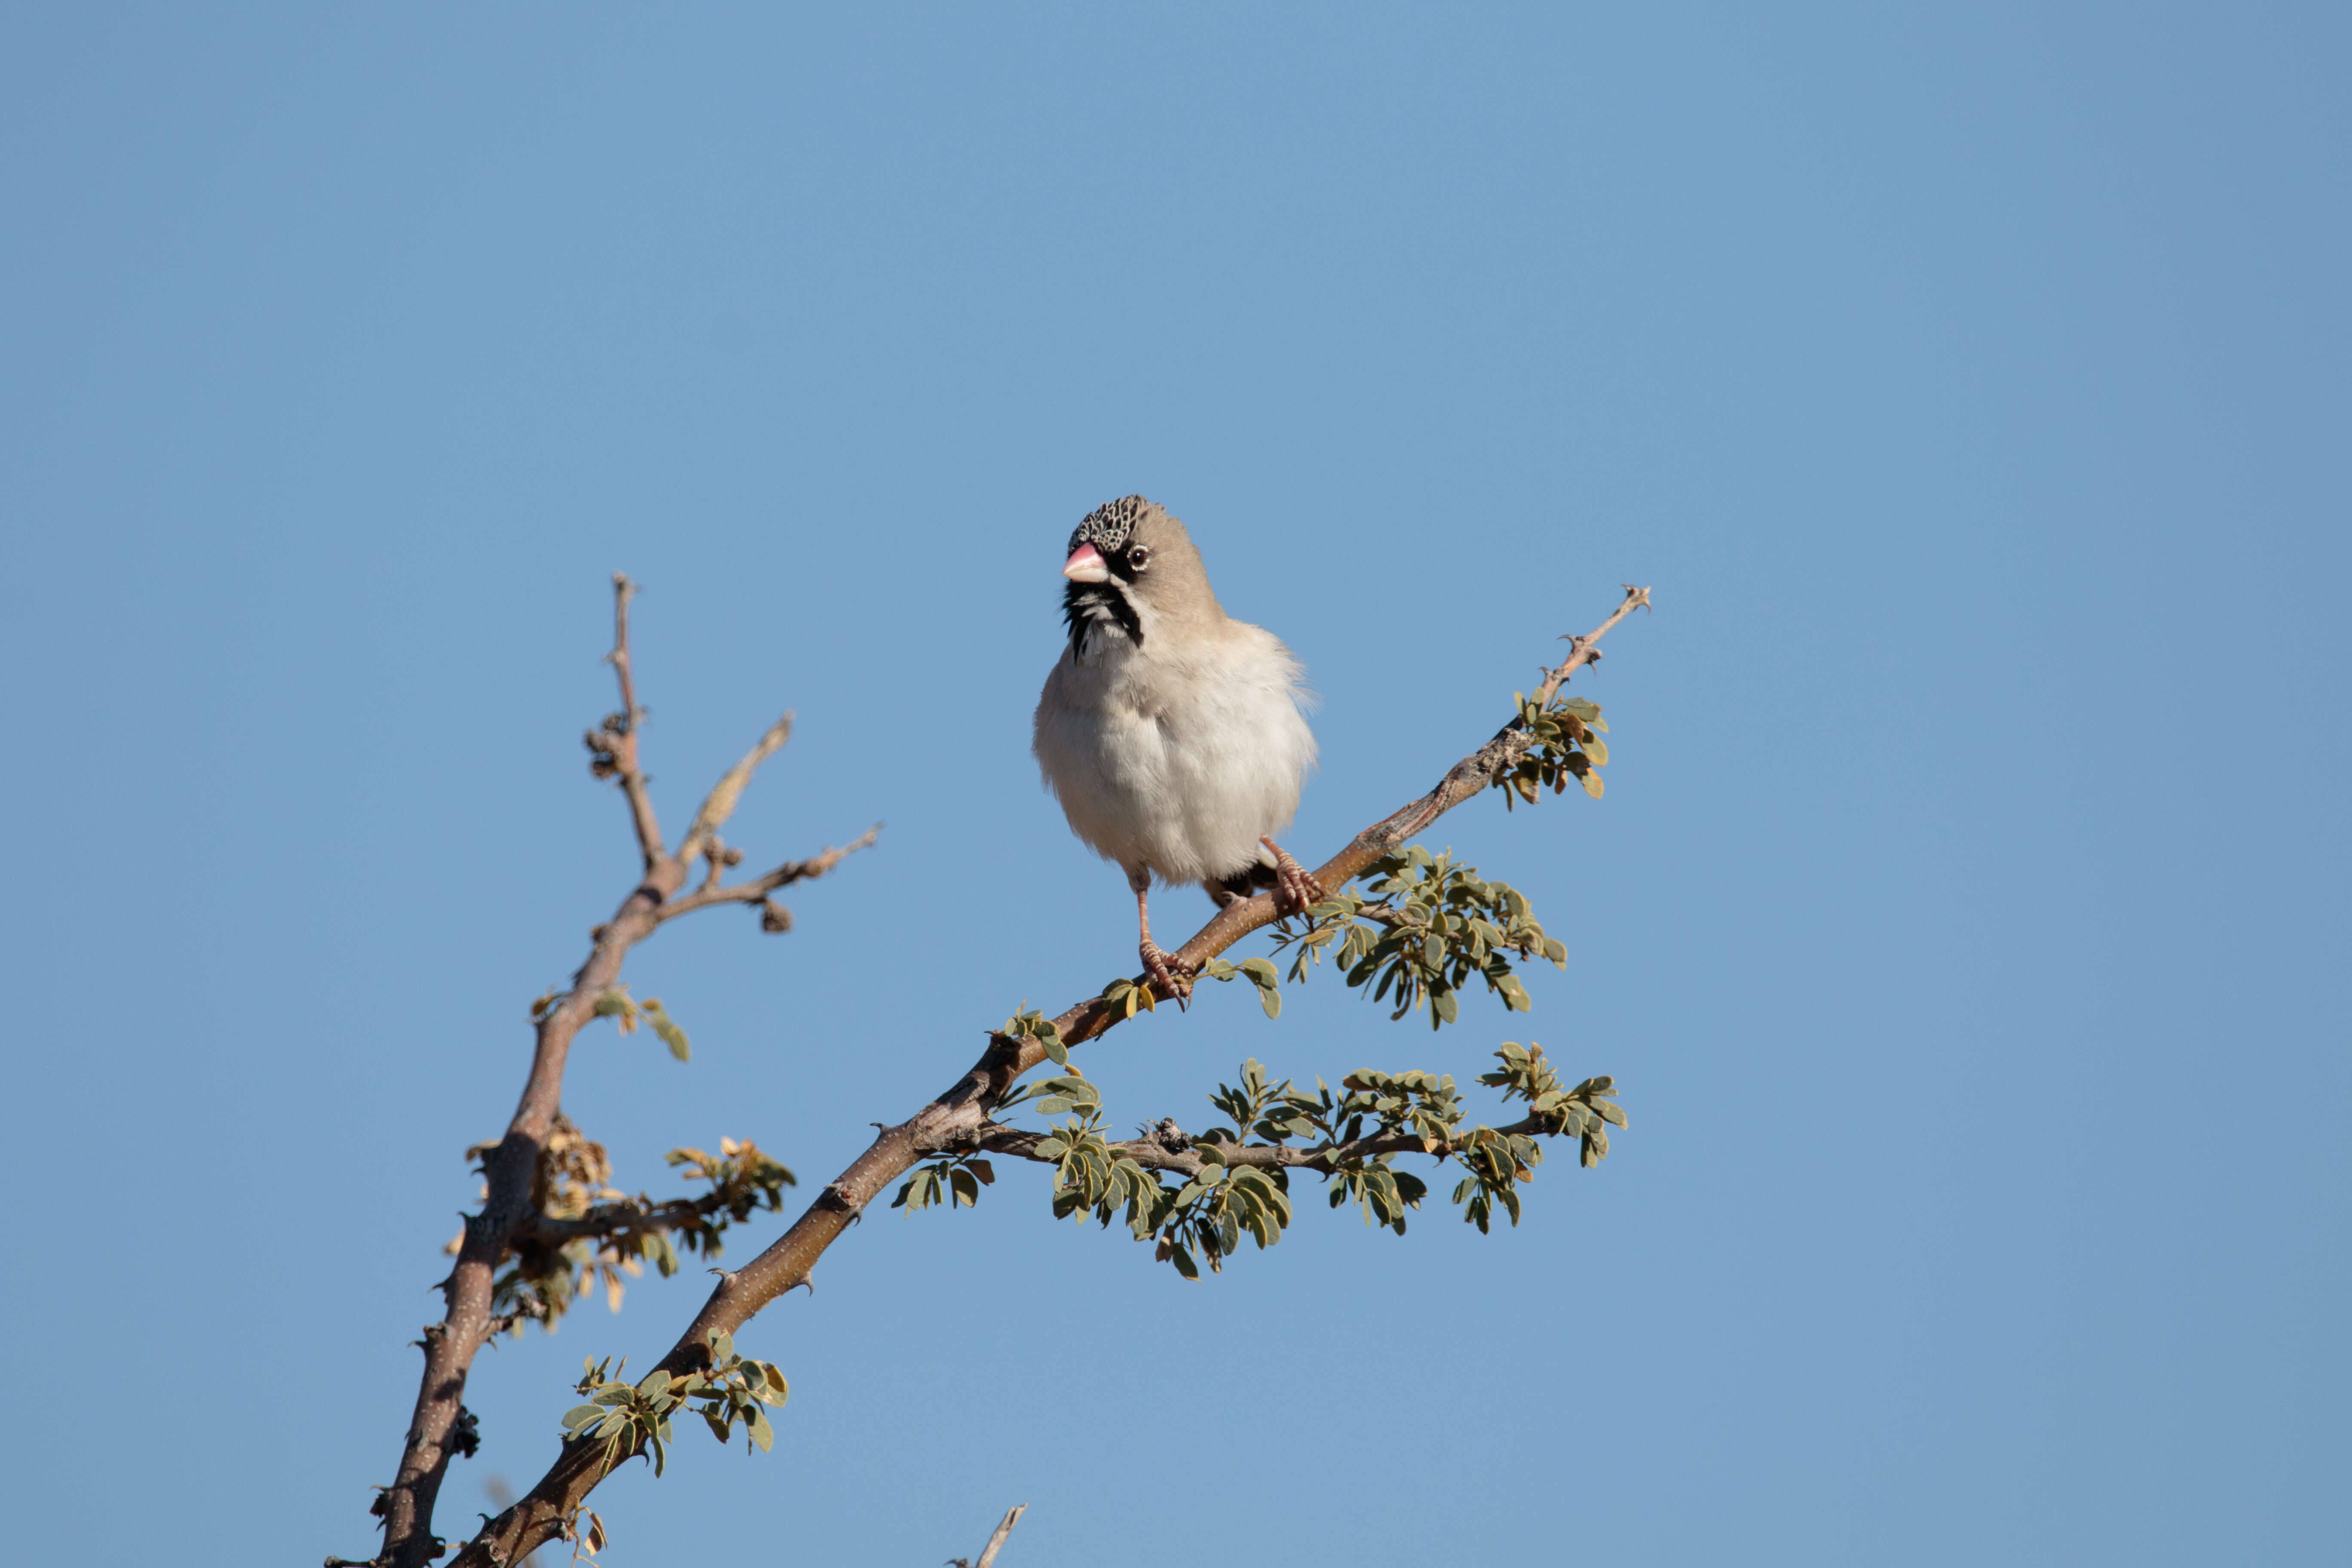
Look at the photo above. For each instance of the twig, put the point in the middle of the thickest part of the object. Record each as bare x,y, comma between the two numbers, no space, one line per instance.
995,1541
614,1221
1177,1156
720,804
624,735
759,888
955,1119
1004,1528
1474,772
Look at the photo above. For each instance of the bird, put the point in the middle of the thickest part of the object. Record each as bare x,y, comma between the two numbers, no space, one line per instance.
1175,737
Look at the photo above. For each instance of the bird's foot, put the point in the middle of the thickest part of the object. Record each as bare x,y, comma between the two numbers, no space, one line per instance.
1296,891
1166,973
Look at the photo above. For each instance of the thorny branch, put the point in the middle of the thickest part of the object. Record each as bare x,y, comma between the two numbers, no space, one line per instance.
437,1428
955,1120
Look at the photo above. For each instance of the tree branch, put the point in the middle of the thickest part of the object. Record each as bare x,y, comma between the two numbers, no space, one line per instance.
957,1116
996,1539
622,729
757,889
450,1346
720,804
617,1221
1169,1149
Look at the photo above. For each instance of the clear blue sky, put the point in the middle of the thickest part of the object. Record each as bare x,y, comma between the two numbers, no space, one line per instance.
1964,921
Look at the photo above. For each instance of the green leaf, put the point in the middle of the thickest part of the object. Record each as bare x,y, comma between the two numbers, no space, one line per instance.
762,1433
674,1037
579,1415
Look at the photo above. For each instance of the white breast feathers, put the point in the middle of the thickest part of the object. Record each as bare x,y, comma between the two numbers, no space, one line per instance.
1176,759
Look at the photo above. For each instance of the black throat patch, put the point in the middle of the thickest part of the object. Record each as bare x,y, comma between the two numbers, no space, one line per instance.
1097,608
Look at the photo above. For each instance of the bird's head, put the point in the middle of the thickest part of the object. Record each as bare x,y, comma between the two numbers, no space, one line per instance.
1129,563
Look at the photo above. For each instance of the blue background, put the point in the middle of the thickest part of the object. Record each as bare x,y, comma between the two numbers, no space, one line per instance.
1971,385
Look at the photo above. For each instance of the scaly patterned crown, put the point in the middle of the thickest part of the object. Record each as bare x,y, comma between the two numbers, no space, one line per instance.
1109,526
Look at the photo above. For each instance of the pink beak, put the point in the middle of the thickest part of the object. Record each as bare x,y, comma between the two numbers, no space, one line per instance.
1086,564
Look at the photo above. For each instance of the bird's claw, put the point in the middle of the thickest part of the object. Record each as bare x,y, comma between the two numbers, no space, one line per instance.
1166,974
1296,891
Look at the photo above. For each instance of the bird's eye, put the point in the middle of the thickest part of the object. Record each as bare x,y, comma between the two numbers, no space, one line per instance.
1139,557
